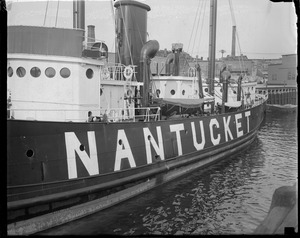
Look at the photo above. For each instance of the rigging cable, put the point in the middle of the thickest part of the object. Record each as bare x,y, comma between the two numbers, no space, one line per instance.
57,13
193,26
201,27
197,26
46,12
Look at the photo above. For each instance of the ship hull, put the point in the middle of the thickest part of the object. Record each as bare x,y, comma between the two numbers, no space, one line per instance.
58,172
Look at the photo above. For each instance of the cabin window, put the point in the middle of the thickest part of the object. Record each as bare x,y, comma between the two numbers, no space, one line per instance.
21,72
172,91
50,72
10,72
35,72
65,73
289,76
206,90
89,73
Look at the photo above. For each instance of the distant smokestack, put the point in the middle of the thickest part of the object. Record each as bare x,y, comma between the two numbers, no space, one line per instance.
91,36
233,41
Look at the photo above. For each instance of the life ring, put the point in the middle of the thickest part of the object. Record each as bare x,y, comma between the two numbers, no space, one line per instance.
128,72
105,73
129,93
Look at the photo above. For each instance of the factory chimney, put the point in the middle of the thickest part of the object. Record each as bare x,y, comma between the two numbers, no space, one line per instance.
233,41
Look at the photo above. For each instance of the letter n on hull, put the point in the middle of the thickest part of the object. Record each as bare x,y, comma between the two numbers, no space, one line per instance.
73,146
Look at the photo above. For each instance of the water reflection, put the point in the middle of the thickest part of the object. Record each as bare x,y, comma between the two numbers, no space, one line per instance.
230,197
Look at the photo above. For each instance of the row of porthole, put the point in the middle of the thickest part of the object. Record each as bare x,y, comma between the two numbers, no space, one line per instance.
49,72
183,91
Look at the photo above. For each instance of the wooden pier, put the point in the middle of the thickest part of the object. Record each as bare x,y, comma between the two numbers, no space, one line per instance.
279,94
282,217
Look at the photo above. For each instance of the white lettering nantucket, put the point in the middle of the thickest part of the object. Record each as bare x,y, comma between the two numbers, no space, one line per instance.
247,114
198,146
123,151
227,129
177,128
238,125
73,147
149,139
213,122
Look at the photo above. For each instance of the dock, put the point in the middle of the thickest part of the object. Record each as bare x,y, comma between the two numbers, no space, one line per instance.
282,217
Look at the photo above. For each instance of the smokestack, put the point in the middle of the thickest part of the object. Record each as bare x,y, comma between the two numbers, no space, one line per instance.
131,31
91,36
233,41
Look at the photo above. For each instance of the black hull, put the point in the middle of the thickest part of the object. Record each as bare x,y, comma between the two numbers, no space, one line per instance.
40,180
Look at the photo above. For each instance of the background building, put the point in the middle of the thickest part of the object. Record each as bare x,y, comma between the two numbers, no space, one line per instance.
284,73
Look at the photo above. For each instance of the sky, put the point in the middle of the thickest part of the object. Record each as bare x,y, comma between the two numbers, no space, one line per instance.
264,29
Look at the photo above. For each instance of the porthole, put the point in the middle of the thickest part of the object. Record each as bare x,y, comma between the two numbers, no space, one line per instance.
183,92
81,147
29,153
50,72
172,91
65,73
21,72
206,90
10,72
221,90
35,72
89,73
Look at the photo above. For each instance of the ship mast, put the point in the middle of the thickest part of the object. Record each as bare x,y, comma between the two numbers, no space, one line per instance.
79,14
212,47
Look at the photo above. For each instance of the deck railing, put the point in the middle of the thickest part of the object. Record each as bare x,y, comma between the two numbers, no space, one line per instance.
116,72
81,115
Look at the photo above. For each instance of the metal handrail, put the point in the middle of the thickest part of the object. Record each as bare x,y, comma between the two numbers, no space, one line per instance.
113,114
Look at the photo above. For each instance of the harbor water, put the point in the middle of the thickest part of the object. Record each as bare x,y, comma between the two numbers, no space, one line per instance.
230,197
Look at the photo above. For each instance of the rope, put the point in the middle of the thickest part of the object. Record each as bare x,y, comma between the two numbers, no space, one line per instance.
201,27
57,13
197,27
46,13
